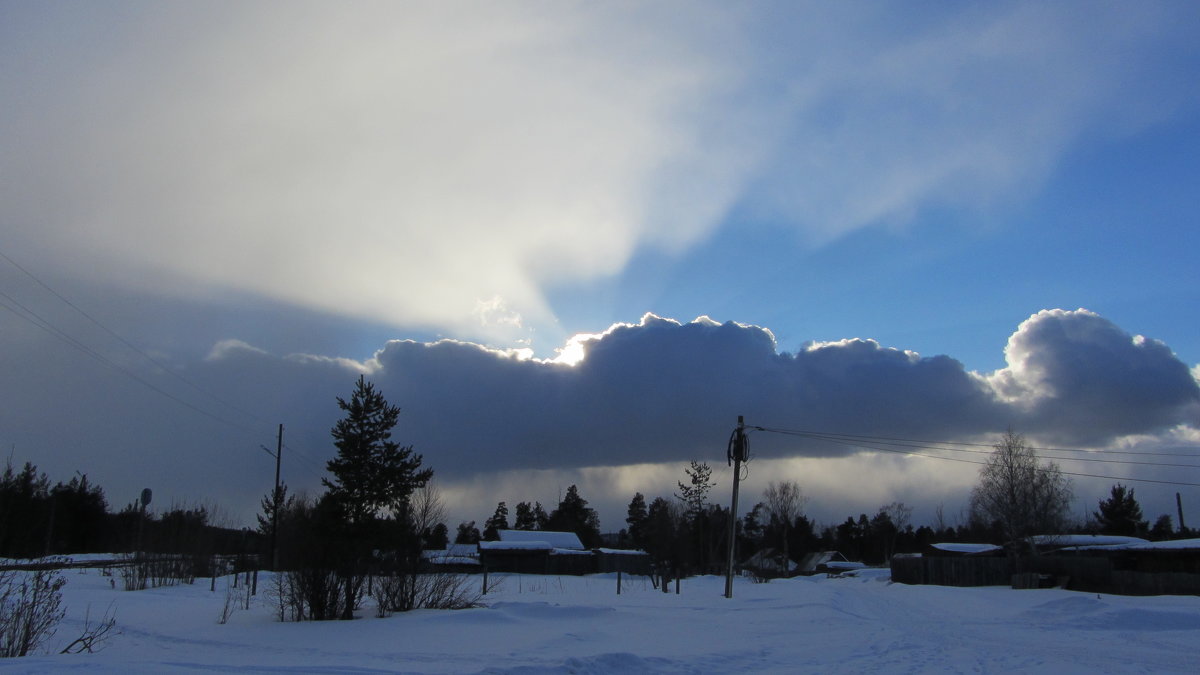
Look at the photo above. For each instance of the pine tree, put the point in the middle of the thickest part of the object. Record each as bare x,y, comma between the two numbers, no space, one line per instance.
636,518
540,517
661,533
526,520
694,493
574,515
1163,528
1120,514
467,533
436,538
371,471
498,521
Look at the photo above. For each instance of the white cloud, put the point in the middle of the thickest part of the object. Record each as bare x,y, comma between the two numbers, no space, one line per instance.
403,162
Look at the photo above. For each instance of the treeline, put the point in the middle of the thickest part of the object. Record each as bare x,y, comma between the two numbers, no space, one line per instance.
38,518
572,515
686,534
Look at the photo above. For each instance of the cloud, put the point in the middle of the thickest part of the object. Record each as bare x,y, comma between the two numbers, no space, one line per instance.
645,398
662,391
1079,376
407,163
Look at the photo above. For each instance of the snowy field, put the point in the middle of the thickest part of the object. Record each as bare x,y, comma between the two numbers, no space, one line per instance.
533,624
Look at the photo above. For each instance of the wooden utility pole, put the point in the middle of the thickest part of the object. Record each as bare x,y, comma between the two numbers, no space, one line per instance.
1179,505
737,455
275,498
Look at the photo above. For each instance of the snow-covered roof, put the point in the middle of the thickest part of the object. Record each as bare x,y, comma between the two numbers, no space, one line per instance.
459,550
515,546
1143,545
553,539
1085,540
965,548
843,565
453,560
810,561
621,551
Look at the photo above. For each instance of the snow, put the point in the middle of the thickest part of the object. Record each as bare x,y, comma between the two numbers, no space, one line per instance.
534,625
1143,545
515,546
966,548
553,539
843,565
1085,540
453,560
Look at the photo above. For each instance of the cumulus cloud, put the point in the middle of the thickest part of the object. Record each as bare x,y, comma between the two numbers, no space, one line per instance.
407,163
660,390
1077,375
644,397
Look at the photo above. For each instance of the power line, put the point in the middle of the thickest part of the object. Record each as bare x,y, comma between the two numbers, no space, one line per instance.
881,443
982,445
309,463
919,446
165,368
27,314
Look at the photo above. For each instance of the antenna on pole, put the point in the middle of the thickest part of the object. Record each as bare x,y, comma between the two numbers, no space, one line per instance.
736,454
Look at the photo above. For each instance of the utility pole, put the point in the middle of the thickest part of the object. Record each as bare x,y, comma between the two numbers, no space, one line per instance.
275,498
736,455
1179,505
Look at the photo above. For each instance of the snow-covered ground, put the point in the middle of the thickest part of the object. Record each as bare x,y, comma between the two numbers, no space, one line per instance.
534,624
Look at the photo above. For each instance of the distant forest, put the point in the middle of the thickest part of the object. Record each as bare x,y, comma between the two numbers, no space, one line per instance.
38,518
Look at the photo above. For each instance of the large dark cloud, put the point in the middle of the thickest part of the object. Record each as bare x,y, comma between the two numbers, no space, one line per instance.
662,391
653,392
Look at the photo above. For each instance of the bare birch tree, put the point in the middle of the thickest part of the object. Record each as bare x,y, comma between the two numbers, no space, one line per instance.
1025,495
785,502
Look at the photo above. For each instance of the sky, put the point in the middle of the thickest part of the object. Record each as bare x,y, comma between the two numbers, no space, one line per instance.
575,241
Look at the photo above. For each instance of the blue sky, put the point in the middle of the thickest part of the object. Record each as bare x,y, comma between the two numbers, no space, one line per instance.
290,186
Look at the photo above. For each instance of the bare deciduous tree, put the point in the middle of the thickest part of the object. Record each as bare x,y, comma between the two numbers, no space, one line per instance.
1025,495
900,516
785,502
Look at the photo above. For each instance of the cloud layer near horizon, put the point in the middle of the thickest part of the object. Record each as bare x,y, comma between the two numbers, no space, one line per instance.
660,391
485,152
652,394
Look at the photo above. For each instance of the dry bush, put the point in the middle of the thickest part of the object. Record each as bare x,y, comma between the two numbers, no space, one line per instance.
30,609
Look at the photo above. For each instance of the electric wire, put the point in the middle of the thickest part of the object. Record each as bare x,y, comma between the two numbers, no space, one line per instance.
881,443
916,445
988,445
35,319
165,368
21,311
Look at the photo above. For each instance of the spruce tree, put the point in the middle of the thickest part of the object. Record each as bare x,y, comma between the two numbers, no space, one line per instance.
540,517
526,520
1120,514
1163,528
498,521
371,471
574,515
636,518
467,533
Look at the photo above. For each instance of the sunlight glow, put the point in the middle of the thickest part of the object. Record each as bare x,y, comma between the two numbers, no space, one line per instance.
574,351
